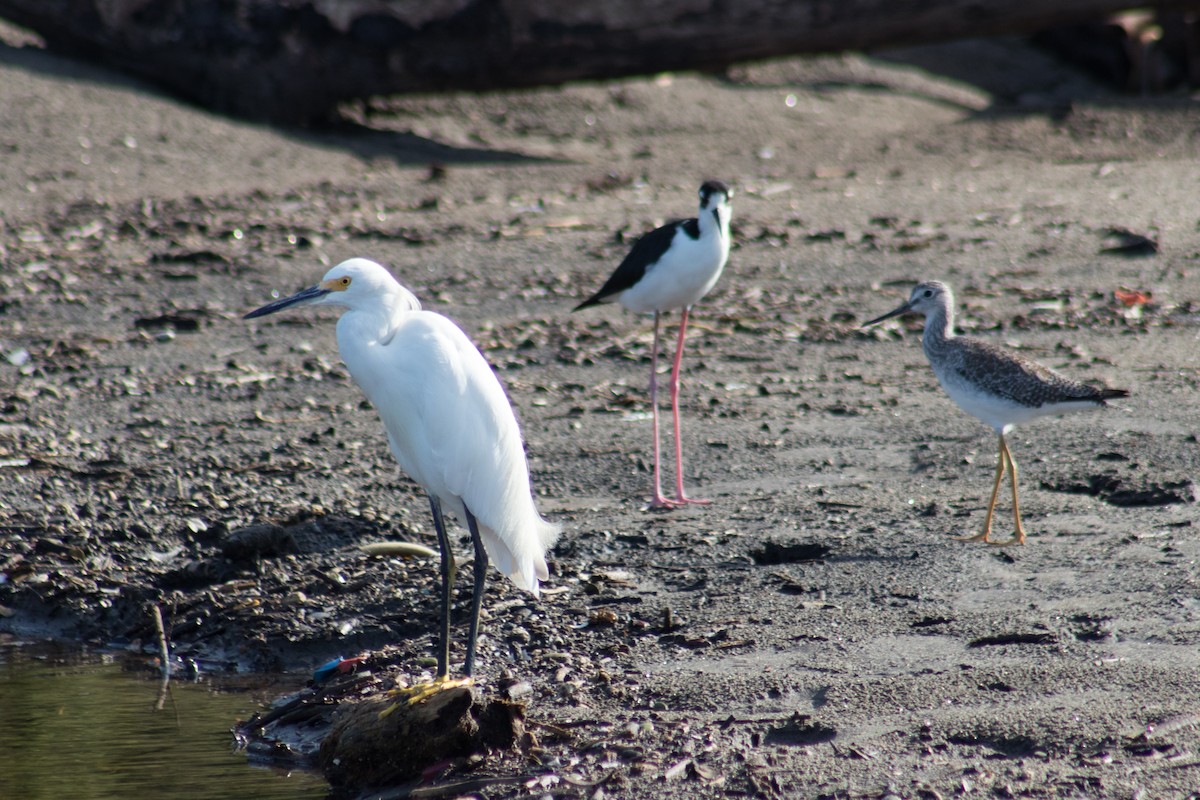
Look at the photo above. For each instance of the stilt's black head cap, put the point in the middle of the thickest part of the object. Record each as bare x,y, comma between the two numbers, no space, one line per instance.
710,188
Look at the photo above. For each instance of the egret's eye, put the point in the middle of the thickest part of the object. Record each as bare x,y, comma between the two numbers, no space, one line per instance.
344,281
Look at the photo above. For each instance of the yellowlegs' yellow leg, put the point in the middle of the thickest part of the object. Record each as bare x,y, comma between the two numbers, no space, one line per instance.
1019,536
987,521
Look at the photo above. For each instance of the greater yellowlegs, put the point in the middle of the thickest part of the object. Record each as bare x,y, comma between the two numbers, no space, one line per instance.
999,387
669,268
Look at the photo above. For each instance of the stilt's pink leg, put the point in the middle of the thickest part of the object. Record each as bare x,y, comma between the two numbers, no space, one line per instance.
680,497
657,500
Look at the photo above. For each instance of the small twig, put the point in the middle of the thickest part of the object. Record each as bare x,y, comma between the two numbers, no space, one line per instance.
164,689
163,651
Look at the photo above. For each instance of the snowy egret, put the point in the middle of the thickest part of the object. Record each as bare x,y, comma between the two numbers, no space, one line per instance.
1001,388
448,423
669,268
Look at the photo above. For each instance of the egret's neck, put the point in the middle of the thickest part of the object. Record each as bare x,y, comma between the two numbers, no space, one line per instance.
377,323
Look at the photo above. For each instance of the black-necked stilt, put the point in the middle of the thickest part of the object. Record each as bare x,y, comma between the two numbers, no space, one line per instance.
999,387
670,268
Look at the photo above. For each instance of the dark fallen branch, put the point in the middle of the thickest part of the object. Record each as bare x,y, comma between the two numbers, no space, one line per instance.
295,60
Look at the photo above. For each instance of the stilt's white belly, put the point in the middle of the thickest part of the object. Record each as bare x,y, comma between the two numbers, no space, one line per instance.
681,278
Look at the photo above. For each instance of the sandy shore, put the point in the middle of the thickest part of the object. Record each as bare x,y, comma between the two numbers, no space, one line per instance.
828,638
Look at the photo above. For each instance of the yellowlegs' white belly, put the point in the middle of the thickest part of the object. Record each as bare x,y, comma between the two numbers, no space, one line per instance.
1002,412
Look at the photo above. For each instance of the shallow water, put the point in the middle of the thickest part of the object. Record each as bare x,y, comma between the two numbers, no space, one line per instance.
89,726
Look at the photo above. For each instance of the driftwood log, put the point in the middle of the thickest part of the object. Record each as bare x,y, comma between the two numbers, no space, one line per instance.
364,750
295,60
348,723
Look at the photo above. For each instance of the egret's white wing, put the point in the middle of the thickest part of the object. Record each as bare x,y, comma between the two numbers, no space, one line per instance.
452,429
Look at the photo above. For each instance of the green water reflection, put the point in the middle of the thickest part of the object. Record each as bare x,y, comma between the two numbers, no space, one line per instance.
90,729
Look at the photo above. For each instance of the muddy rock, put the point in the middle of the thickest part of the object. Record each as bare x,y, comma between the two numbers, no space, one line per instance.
382,742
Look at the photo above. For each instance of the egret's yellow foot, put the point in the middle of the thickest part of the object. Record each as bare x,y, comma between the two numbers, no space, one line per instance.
979,537
421,692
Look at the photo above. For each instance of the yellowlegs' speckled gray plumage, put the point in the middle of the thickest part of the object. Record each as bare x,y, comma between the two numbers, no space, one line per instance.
672,267
999,387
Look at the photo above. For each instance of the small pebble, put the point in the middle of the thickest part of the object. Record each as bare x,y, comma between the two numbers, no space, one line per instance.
295,599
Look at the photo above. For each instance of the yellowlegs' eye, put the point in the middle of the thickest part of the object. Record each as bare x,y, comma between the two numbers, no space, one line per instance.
929,293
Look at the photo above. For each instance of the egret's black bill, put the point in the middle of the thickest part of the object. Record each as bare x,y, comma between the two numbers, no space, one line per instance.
305,296
904,309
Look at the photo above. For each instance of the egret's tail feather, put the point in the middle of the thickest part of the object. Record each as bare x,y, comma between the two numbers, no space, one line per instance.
526,568
548,533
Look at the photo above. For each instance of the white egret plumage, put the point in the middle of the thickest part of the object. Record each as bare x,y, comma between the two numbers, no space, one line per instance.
449,425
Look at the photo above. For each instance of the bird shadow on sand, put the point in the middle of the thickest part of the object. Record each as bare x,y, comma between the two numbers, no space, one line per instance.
402,147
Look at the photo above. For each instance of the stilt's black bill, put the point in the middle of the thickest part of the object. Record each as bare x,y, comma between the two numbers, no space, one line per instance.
307,296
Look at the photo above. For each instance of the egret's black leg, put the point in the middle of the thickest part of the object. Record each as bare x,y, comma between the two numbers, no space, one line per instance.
481,566
441,682
443,654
